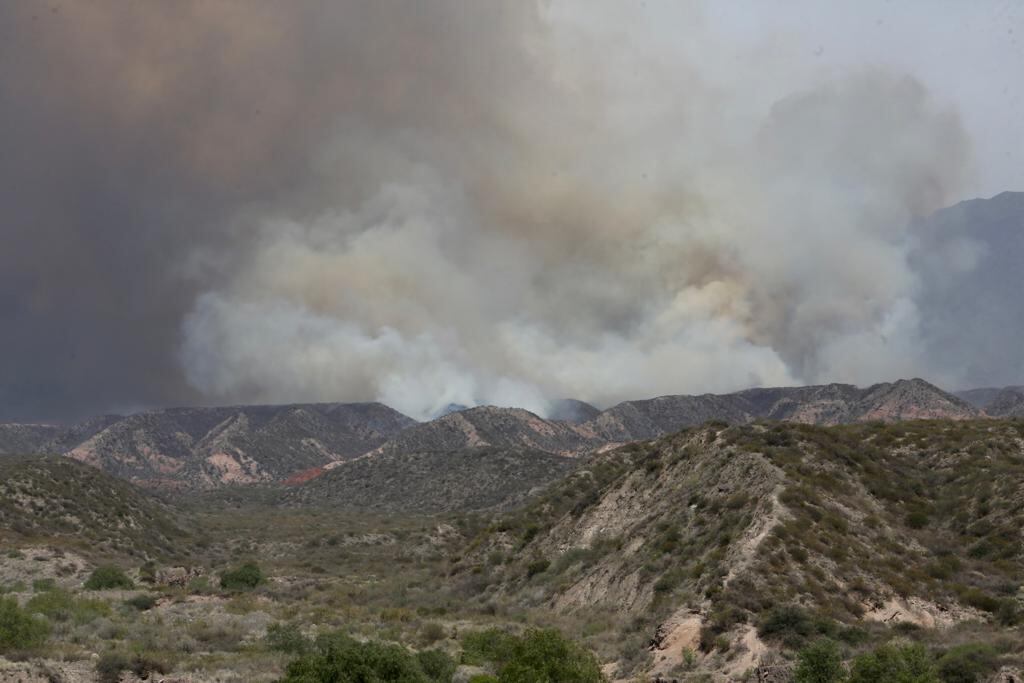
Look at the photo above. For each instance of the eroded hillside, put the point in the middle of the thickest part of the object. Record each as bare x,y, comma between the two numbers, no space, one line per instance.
706,533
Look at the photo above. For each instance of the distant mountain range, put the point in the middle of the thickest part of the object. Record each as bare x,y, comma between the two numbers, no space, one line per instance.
997,402
197,448
203,448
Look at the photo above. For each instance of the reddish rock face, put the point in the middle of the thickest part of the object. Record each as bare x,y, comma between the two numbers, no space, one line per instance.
304,476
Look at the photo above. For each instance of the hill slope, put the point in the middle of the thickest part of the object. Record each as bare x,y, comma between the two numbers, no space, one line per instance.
195,448
826,405
435,481
997,402
58,500
491,426
25,438
705,535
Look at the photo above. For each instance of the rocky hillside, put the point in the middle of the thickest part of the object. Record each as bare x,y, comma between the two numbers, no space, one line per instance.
59,501
1008,403
434,481
25,438
825,405
491,426
195,448
997,402
571,410
736,541
202,448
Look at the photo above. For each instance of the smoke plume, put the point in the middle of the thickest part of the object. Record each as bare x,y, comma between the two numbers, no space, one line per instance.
443,202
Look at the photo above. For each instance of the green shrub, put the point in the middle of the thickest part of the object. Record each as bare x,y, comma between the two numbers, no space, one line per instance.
819,662
284,637
142,602
894,664
967,663
337,658
147,572
538,655
110,665
484,678
979,599
436,665
245,577
537,567
788,623
60,605
108,578
492,645
918,519
43,585
19,629
431,632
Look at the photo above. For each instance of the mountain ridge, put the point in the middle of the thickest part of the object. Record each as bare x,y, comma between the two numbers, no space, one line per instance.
202,448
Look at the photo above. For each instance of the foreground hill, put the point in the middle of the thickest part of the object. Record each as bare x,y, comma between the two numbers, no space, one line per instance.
59,501
710,535
435,481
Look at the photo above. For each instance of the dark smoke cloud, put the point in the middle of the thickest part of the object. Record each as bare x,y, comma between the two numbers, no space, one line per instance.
436,202
139,137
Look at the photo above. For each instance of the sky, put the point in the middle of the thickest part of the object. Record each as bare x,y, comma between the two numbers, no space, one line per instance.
500,202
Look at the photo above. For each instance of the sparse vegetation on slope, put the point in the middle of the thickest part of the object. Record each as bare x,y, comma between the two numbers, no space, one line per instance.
847,528
434,482
58,500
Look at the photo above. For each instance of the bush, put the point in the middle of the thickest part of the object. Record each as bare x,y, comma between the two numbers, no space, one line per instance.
142,602
431,632
288,638
894,664
19,629
918,519
436,665
967,663
338,658
43,585
492,645
537,567
59,605
111,664
820,662
538,655
788,623
245,577
108,578
109,667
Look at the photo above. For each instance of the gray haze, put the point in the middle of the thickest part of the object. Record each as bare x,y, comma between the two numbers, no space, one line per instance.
444,202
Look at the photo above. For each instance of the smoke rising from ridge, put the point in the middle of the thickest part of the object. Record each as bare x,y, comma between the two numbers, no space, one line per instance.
449,202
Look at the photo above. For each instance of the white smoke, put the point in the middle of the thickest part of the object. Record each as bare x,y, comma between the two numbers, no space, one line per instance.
566,217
